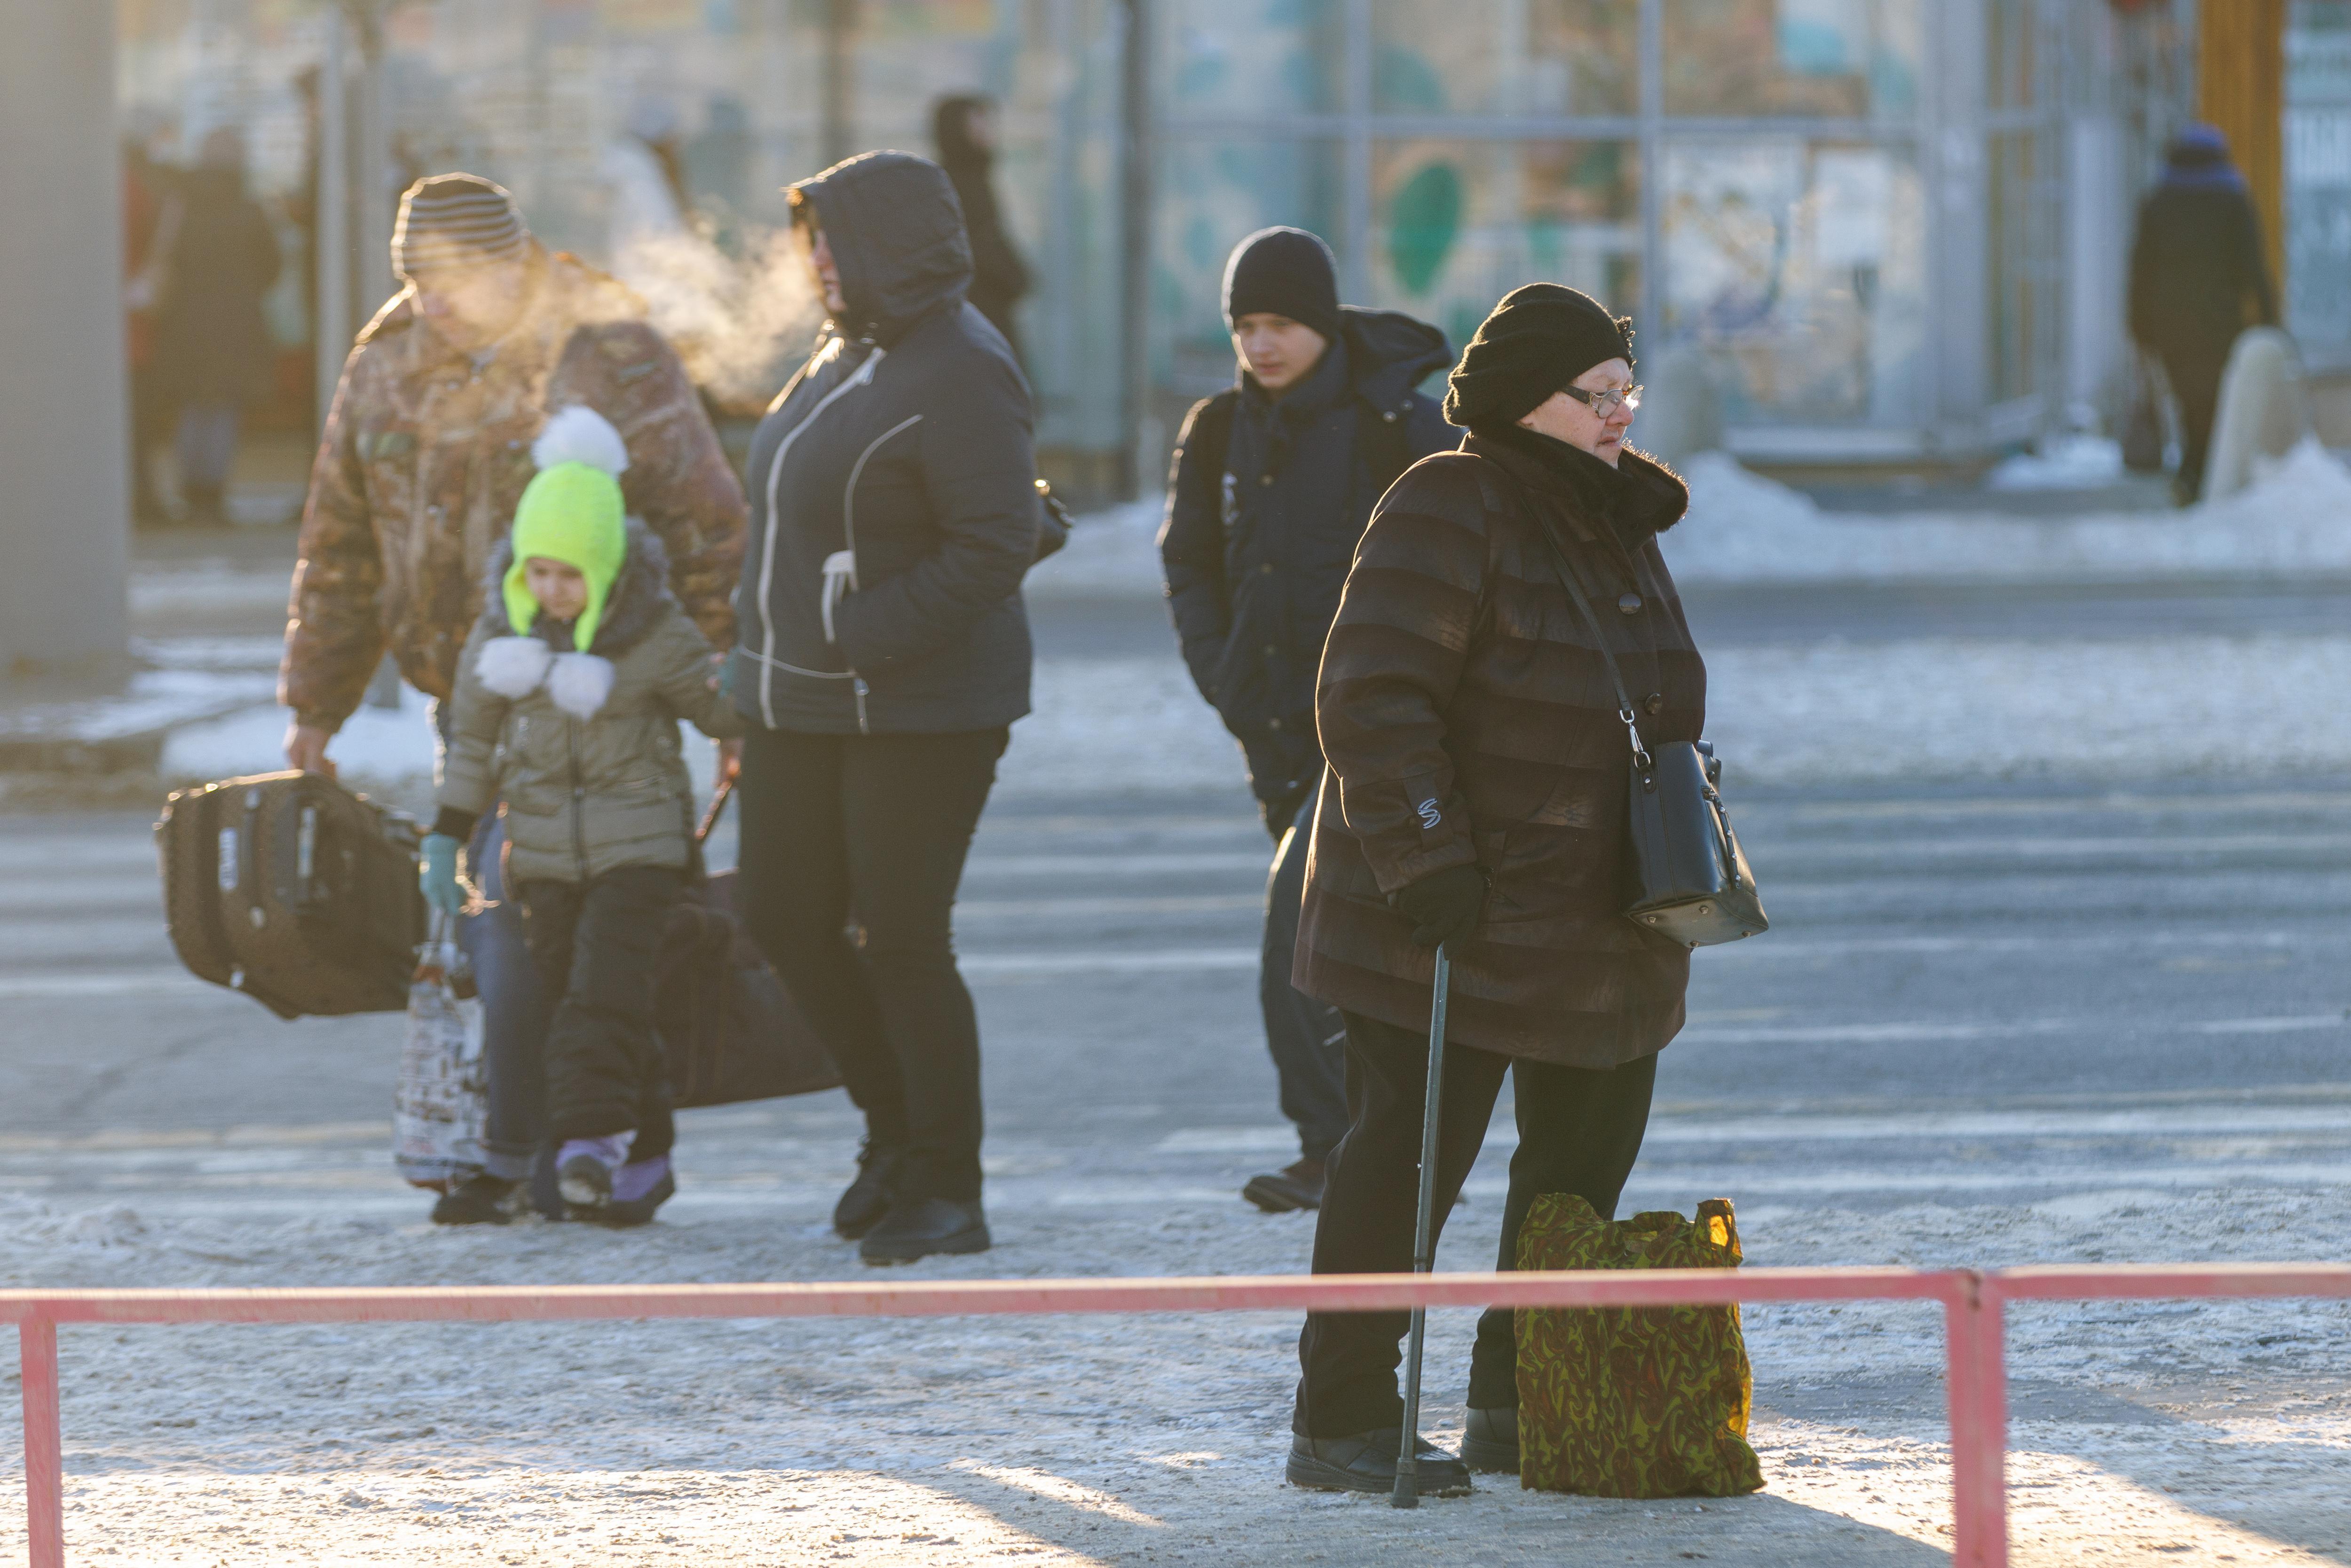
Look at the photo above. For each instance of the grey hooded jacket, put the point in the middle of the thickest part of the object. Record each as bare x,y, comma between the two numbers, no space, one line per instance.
585,795
902,454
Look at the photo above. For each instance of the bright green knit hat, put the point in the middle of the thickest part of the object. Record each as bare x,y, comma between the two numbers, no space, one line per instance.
571,512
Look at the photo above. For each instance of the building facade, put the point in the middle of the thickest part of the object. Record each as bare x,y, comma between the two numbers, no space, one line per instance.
1891,229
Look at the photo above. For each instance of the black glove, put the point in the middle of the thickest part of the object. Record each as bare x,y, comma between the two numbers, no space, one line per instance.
1444,905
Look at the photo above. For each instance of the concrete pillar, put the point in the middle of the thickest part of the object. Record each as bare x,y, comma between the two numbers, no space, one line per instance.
64,502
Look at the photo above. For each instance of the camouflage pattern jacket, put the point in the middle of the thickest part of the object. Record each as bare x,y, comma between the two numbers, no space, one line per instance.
426,452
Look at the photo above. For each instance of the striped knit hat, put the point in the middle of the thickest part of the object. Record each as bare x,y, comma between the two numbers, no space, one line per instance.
451,221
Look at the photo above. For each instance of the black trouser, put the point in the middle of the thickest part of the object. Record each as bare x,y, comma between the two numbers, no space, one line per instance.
1305,1037
876,827
1579,1130
2195,373
595,945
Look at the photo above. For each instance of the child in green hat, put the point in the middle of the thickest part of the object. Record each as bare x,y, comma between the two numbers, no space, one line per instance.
567,706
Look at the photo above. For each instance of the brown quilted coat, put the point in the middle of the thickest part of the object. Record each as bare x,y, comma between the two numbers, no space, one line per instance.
427,450
1468,716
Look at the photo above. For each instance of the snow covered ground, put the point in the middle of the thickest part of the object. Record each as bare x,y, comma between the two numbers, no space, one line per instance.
1120,1439
1744,528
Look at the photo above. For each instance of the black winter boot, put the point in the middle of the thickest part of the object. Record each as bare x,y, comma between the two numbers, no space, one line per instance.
478,1200
860,1207
1366,1462
916,1227
1489,1441
1294,1186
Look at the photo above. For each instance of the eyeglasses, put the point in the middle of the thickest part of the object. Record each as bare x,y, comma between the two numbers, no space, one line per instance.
1606,404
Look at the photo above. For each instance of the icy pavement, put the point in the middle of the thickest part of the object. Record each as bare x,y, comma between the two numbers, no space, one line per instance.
1992,1027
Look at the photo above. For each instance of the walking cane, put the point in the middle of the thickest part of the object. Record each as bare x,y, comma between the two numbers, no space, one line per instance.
1424,1244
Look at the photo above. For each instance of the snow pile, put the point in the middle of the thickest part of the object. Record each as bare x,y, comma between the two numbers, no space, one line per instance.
2064,463
1744,528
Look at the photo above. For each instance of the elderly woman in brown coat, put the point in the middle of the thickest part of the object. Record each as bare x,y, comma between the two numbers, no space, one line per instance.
1477,798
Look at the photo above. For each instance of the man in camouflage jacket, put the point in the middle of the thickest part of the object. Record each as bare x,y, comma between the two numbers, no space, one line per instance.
426,452
427,449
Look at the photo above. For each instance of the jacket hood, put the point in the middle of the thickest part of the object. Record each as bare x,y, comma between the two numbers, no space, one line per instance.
636,605
1389,353
897,235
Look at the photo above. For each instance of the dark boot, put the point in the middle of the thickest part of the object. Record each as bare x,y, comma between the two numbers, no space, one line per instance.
479,1200
1366,1462
1489,1441
639,1189
1294,1186
861,1208
916,1227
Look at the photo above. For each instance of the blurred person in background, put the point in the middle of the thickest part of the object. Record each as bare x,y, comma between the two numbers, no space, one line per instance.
424,457
2198,277
150,214
885,655
1273,482
964,129
213,350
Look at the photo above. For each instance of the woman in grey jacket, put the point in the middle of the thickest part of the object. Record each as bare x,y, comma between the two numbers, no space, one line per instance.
883,656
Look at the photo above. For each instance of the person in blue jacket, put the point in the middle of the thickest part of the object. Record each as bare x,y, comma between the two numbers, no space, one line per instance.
1272,483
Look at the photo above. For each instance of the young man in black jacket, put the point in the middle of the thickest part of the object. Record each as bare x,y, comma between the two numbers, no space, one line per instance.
1272,483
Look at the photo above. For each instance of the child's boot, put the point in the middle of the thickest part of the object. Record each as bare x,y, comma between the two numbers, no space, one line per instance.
638,1190
585,1168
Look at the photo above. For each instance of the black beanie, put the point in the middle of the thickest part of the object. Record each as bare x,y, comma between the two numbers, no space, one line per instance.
1284,272
1539,340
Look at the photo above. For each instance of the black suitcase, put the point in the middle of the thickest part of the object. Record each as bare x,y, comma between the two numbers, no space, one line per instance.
290,888
729,1029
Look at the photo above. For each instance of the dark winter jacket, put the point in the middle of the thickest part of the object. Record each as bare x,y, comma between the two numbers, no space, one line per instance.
2197,276
583,795
904,448
1468,719
1256,549
212,345
999,279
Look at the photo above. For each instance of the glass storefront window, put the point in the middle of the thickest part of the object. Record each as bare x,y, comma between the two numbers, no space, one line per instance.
1210,194
1802,266
2318,180
1824,58
1506,56
1458,225
1255,57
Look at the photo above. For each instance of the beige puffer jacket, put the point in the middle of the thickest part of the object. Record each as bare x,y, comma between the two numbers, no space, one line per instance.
584,795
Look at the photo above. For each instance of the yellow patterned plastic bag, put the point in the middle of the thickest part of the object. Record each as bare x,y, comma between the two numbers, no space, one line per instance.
1633,1401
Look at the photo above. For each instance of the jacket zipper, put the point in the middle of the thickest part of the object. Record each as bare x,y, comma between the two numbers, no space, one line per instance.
857,684
861,376
578,800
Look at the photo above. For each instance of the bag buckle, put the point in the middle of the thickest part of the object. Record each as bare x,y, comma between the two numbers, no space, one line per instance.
1633,733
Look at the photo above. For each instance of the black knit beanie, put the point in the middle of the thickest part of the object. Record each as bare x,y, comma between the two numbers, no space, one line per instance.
452,221
1539,340
1284,272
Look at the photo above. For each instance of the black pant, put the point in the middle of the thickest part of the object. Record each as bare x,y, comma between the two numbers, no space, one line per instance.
2195,375
1578,1132
1305,1037
595,945
876,827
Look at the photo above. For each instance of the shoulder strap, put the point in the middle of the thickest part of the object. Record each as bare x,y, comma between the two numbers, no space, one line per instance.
1624,709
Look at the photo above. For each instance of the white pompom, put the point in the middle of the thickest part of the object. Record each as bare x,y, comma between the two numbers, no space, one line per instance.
513,667
580,434
579,684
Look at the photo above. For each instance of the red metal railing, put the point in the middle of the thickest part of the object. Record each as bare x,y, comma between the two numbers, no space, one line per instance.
1974,1310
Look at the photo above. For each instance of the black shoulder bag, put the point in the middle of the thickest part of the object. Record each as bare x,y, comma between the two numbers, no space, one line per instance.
1695,886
